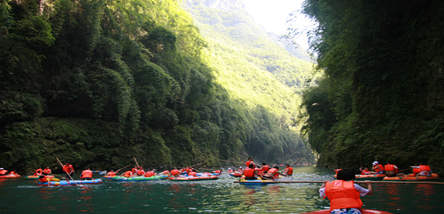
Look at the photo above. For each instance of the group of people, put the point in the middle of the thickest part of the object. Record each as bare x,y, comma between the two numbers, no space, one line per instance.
253,172
392,170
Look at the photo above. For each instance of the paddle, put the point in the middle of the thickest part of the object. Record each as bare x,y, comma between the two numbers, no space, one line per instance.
137,163
62,168
362,182
122,168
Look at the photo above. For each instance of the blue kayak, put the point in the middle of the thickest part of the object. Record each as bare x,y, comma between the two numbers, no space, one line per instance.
71,182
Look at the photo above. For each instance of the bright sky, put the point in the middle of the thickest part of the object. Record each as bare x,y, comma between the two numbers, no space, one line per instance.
273,16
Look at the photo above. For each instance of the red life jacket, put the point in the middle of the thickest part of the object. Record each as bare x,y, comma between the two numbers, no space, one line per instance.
47,171
38,172
3,172
127,174
342,194
378,168
86,174
248,172
134,170
175,172
166,172
192,174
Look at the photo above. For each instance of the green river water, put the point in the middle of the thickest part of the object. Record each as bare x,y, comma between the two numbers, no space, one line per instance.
218,196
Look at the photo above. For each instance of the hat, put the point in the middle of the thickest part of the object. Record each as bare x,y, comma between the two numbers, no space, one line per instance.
375,162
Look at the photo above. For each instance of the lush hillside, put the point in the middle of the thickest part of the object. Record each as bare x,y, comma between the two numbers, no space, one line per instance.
382,96
97,82
250,63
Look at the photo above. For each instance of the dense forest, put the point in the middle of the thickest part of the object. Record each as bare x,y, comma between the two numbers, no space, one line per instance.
382,96
97,82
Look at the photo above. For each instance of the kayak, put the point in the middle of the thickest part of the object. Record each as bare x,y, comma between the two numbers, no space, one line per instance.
370,177
364,211
10,176
71,182
193,178
256,182
236,174
37,176
138,178
411,177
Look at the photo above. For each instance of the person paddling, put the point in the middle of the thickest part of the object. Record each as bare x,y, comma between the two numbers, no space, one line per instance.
3,171
47,171
272,173
249,173
68,168
288,171
344,194
86,174
378,168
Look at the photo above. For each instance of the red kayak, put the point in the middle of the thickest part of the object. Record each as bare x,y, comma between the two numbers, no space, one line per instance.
364,211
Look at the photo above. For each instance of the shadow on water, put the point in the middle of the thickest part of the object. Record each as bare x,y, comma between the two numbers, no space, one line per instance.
222,196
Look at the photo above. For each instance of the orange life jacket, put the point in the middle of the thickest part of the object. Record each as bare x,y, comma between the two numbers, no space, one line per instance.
289,171
378,168
265,168
68,168
273,172
149,174
127,174
38,172
47,171
424,168
86,174
175,172
140,172
111,173
248,172
342,194
390,168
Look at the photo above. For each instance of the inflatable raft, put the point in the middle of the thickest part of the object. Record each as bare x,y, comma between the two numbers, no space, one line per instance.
411,177
371,177
138,178
193,178
364,211
34,177
71,182
10,176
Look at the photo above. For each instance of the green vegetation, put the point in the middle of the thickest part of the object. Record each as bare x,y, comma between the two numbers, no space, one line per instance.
382,95
97,82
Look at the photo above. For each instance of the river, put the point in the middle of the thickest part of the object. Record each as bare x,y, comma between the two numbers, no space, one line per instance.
218,196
